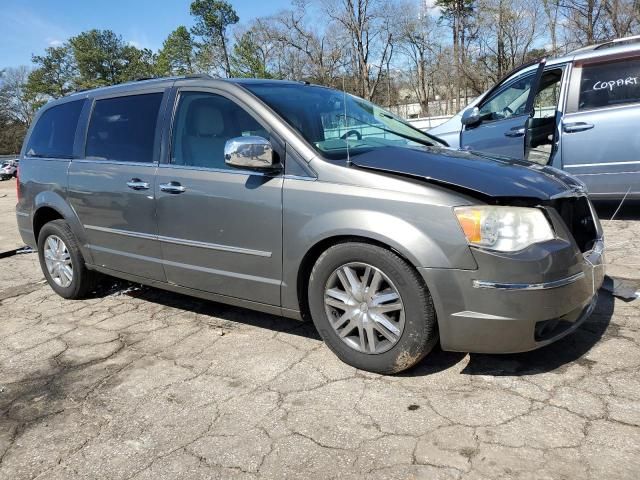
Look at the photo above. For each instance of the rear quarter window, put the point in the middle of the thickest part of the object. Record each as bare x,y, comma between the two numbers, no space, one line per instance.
54,132
609,84
123,128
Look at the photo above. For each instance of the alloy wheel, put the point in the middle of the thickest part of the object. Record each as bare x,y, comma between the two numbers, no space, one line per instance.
364,308
58,261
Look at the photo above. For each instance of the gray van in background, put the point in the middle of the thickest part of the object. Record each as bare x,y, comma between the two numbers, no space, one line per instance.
579,113
303,201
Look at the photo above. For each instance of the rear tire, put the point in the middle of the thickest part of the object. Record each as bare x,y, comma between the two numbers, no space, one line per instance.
383,320
62,262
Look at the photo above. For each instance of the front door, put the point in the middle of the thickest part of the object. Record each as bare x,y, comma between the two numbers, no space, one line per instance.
220,228
503,117
112,187
600,142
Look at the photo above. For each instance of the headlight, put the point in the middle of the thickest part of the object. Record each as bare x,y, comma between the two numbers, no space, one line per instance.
507,229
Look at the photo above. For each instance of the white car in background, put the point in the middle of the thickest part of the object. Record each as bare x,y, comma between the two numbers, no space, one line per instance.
8,169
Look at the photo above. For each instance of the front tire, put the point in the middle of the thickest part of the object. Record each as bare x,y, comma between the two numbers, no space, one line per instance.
62,262
371,308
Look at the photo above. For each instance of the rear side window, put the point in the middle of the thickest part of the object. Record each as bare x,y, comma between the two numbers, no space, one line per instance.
55,131
609,84
123,128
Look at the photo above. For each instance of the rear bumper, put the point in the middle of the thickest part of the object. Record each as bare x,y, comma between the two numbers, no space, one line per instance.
25,227
544,297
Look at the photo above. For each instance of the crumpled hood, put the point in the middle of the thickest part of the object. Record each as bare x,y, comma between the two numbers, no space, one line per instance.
488,174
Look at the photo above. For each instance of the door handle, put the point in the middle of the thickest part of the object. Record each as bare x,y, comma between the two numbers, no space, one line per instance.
172,187
576,127
137,184
515,132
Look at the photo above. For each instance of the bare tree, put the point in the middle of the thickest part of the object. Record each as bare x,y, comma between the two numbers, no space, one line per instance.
418,43
302,52
368,25
509,30
14,102
584,21
622,17
552,12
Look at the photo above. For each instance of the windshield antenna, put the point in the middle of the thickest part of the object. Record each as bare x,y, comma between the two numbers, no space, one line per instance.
346,119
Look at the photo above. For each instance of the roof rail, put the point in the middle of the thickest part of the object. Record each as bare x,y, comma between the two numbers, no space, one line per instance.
608,44
619,41
198,75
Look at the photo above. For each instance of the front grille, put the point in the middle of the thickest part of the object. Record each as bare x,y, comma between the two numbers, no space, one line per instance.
577,216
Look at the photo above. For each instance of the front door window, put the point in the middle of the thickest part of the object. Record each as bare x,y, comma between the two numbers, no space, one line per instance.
509,101
542,124
203,124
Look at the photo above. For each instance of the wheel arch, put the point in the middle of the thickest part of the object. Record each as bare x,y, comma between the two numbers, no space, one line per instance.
42,216
48,206
314,252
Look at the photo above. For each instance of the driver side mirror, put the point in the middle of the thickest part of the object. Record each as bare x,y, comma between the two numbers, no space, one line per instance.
471,116
250,152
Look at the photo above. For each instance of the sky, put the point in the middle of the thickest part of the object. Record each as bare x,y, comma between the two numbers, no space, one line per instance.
27,27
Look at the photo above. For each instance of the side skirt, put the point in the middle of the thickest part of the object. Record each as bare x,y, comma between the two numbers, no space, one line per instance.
214,297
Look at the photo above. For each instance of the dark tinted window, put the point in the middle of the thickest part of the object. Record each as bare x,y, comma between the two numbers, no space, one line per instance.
203,124
608,84
55,131
123,128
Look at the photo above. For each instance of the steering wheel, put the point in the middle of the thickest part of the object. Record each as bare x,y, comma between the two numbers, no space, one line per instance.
507,112
352,132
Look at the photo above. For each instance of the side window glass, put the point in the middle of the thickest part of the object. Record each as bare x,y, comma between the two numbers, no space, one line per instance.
545,103
123,128
609,84
54,134
202,125
511,100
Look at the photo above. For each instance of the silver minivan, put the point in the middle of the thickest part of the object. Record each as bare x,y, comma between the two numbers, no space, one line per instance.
578,113
305,202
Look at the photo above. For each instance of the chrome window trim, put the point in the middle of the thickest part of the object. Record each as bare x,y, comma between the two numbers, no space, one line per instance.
300,177
181,241
232,170
604,164
113,162
529,286
170,263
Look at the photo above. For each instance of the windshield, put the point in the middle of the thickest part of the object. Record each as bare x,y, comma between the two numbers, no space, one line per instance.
333,122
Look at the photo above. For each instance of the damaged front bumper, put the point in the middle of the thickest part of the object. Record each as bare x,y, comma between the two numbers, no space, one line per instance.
516,303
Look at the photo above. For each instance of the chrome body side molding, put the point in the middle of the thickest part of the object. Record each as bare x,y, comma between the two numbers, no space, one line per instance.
180,241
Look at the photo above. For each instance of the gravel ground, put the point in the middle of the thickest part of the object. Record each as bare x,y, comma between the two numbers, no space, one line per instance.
144,384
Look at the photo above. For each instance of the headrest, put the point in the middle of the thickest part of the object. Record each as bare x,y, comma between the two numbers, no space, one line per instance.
207,120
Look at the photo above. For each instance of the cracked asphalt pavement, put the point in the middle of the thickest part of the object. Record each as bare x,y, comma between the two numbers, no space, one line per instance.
138,383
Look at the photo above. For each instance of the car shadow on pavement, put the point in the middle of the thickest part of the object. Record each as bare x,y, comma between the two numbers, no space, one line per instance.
565,351
225,316
229,317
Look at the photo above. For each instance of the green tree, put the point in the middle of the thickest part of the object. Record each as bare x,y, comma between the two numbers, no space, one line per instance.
54,73
248,59
137,63
176,55
213,17
103,58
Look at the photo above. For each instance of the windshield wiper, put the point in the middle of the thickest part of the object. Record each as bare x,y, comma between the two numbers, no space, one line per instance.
403,135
